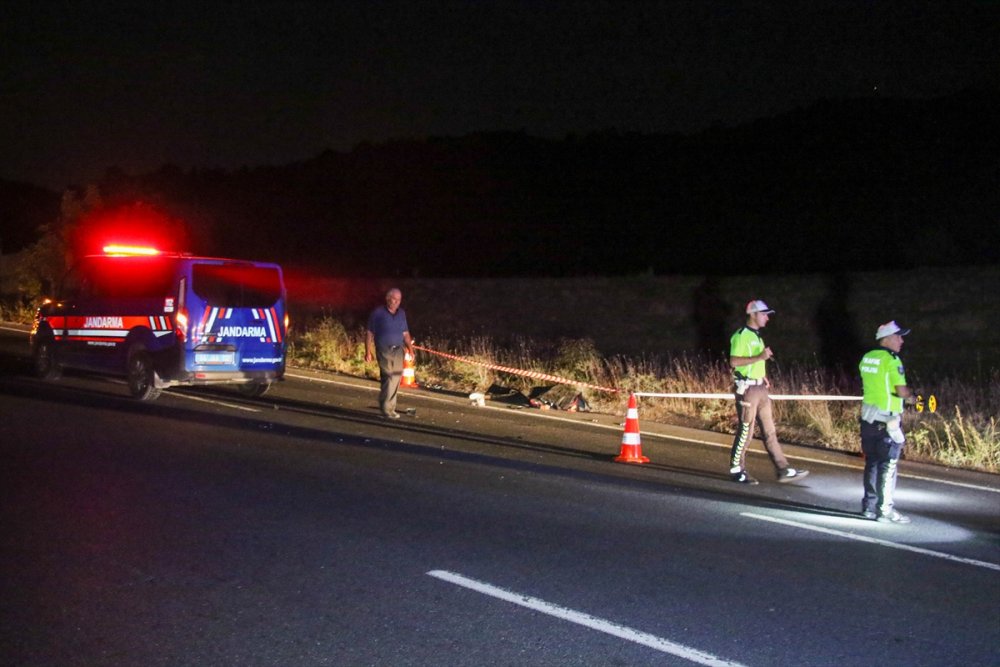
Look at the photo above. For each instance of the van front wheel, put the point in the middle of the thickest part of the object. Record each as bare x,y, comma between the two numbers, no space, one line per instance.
142,377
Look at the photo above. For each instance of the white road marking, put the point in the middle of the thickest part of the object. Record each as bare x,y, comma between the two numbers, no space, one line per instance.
875,540
214,402
587,620
196,398
834,464
976,487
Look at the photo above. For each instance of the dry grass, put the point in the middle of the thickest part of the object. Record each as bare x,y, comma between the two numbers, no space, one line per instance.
959,441
964,433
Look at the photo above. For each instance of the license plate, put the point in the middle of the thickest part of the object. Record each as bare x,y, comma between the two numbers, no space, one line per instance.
207,358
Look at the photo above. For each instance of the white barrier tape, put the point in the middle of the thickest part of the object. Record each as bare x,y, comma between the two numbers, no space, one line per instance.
775,397
560,380
517,371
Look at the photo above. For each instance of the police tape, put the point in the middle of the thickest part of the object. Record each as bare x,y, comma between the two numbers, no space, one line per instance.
517,371
931,403
920,405
775,397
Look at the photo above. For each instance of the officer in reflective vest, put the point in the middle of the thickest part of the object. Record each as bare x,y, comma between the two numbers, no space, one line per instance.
747,357
882,440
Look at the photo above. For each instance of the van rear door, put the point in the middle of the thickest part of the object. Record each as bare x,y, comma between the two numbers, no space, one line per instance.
237,316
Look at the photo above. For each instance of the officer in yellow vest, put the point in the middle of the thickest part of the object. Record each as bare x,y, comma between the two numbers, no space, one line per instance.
882,439
748,356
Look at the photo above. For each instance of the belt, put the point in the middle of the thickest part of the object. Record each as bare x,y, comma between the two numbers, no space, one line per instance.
873,414
742,385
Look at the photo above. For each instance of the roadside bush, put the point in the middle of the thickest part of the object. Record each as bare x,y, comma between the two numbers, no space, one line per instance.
326,344
463,377
15,309
578,360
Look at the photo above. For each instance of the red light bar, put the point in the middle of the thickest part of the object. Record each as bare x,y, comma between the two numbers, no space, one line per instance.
129,250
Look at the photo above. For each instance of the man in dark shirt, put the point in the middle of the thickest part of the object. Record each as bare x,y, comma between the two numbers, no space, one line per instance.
387,339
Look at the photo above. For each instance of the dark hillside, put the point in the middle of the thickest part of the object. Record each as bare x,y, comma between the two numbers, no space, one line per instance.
23,208
840,185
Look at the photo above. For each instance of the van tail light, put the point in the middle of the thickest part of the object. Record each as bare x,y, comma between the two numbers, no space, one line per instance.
286,324
181,324
181,316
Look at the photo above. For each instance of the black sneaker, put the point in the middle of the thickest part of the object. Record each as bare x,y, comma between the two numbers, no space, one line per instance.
788,474
742,477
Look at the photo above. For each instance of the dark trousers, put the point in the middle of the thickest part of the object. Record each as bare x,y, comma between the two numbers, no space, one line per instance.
751,407
881,457
390,368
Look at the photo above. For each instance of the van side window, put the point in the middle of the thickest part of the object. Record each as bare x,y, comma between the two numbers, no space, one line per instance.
130,278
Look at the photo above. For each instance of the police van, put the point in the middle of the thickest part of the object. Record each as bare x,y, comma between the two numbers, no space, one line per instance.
165,319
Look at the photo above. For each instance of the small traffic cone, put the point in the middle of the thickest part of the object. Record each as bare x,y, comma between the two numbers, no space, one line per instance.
409,372
631,445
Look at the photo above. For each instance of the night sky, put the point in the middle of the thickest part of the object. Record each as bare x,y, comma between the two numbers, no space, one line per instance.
88,85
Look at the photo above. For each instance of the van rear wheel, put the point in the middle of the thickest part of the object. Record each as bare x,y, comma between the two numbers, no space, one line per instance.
44,361
142,377
254,388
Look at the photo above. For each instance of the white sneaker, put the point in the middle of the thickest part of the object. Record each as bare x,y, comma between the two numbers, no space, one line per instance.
893,517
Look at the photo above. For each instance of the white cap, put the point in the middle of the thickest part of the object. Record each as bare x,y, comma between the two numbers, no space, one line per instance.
758,306
890,328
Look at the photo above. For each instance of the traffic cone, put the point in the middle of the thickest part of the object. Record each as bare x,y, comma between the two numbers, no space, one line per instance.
631,445
409,373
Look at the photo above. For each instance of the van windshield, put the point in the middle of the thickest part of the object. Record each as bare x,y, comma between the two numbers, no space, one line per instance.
236,285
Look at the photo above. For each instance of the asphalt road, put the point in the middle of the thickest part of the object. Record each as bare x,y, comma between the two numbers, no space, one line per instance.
302,529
